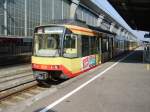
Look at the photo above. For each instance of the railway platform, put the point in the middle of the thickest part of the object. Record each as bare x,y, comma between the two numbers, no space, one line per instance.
120,85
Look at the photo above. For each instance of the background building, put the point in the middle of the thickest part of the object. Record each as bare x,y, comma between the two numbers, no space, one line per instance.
19,17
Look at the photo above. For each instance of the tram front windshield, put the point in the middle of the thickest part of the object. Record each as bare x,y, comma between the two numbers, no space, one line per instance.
48,43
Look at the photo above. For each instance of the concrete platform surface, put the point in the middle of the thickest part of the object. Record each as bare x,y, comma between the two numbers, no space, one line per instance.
124,87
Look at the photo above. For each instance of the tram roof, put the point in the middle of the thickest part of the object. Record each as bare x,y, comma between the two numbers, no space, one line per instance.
77,23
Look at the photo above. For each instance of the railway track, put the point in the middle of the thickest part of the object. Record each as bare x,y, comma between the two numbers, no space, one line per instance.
15,79
20,96
19,85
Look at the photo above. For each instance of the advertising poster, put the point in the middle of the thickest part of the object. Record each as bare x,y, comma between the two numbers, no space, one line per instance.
88,62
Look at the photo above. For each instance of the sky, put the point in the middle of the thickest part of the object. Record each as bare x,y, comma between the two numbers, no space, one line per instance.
111,11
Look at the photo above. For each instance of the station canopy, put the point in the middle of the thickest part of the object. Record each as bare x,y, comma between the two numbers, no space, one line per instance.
135,12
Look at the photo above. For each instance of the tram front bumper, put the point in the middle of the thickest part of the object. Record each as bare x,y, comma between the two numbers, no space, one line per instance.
40,75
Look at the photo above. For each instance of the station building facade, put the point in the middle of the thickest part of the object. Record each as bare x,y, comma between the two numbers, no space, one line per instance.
19,17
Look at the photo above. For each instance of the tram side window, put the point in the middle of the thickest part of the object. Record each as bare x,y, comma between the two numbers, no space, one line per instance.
69,42
93,47
104,45
117,42
85,45
70,49
122,45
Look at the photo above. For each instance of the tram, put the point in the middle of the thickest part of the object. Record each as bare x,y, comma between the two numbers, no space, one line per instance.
66,49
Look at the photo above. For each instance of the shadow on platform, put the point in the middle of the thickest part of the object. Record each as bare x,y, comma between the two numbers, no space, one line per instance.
46,111
136,57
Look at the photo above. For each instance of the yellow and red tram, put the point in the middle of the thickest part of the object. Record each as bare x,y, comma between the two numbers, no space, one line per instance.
63,51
